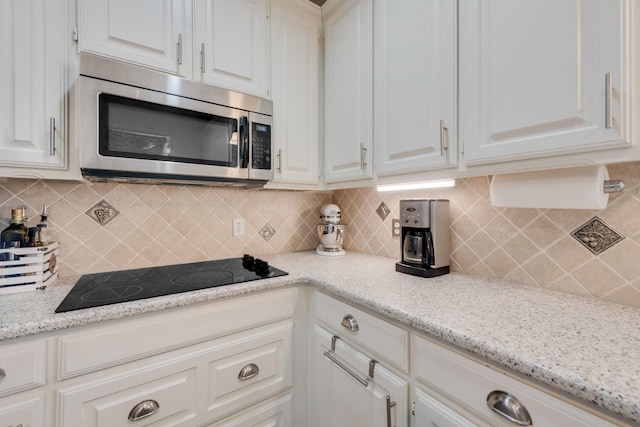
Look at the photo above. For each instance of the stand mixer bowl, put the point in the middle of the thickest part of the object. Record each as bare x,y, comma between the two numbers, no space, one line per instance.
331,236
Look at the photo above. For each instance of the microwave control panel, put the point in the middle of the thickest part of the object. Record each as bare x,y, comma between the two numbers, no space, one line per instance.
261,146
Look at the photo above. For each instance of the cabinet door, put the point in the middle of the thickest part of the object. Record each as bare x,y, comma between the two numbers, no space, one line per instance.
428,411
294,71
348,92
342,400
414,85
151,33
32,79
232,42
534,78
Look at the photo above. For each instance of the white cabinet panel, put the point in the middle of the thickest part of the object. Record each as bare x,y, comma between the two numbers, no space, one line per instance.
153,33
232,41
32,83
23,366
414,85
274,413
348,140
428,411
28,412
295,92
533,74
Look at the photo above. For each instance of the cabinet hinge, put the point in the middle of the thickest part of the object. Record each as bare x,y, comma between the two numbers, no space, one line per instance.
74,34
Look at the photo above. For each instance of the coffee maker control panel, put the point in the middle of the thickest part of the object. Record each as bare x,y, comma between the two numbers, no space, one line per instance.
415,213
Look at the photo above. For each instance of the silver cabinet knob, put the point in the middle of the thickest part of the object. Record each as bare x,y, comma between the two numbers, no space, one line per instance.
248,372
509,407
350,322
144,409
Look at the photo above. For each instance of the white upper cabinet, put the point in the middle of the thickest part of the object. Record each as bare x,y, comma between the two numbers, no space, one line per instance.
232,43
348,56
542,78
295,85
33,87
152,33
414,86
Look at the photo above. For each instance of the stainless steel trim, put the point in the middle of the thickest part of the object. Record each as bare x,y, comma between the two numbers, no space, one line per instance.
613,186
52,136
608,121
363,381
3,374
509,407
110,70
444,138
179,53
390,405
143,410
350,322
279,160
202,58
249,371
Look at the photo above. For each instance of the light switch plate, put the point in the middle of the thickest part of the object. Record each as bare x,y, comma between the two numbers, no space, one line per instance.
395,228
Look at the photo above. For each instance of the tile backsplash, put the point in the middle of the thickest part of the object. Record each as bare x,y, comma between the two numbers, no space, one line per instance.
530,246
109,226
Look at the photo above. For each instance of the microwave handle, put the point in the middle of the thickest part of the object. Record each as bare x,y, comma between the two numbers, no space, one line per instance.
243,136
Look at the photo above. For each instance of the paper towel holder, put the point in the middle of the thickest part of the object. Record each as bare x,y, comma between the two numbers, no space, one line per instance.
613,185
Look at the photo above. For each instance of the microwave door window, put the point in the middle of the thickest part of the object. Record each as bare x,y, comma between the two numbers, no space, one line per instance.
132,128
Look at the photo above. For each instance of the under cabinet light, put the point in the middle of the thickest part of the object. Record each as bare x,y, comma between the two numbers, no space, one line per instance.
441,183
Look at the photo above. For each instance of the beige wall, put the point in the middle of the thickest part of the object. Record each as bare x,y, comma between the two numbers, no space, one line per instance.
160,225
530,246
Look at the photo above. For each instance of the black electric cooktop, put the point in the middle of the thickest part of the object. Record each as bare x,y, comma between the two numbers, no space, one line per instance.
94,290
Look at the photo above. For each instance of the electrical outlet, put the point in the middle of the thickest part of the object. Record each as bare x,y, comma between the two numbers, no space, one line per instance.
395,228
238,227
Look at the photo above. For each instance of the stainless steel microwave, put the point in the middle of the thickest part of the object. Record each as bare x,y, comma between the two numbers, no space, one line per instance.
140,125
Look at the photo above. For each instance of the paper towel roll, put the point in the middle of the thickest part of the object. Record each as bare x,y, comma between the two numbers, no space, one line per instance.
573,188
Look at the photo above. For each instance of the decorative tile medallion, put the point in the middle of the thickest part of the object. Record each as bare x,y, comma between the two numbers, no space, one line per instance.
102,212
383,211
267,232
596,235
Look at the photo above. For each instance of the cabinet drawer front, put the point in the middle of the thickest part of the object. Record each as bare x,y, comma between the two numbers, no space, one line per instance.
274,413
109,403
264,359
26,413
385,340
468,384
23,366
102,347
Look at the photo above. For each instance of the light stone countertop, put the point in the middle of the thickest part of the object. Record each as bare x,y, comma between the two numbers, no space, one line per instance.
586,347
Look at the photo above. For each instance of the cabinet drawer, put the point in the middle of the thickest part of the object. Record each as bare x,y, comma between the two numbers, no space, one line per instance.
468,384
131,339
110,402
250,367
23,366
385,340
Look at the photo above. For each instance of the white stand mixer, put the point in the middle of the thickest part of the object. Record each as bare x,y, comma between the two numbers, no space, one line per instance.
330,233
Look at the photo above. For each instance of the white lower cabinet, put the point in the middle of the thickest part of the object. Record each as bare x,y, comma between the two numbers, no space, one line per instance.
273,413
26,412
463,383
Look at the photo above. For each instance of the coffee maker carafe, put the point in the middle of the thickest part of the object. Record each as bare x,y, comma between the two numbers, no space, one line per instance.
424,237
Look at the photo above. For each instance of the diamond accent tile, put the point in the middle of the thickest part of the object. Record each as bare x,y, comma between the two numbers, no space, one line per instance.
596,235
383,211
102,212
267,232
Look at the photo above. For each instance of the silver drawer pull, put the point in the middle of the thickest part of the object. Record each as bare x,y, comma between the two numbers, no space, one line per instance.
2,374
364,381
143,410
248,372
509,407
350,323
390,405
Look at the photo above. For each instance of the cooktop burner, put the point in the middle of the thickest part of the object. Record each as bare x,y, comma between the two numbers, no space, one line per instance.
94,290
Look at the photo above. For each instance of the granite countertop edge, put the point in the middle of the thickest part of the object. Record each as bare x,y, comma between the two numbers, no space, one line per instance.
543,371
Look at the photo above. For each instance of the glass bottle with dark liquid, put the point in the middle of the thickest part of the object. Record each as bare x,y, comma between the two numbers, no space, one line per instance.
16,235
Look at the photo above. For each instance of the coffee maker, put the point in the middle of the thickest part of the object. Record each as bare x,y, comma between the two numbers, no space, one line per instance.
424,237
